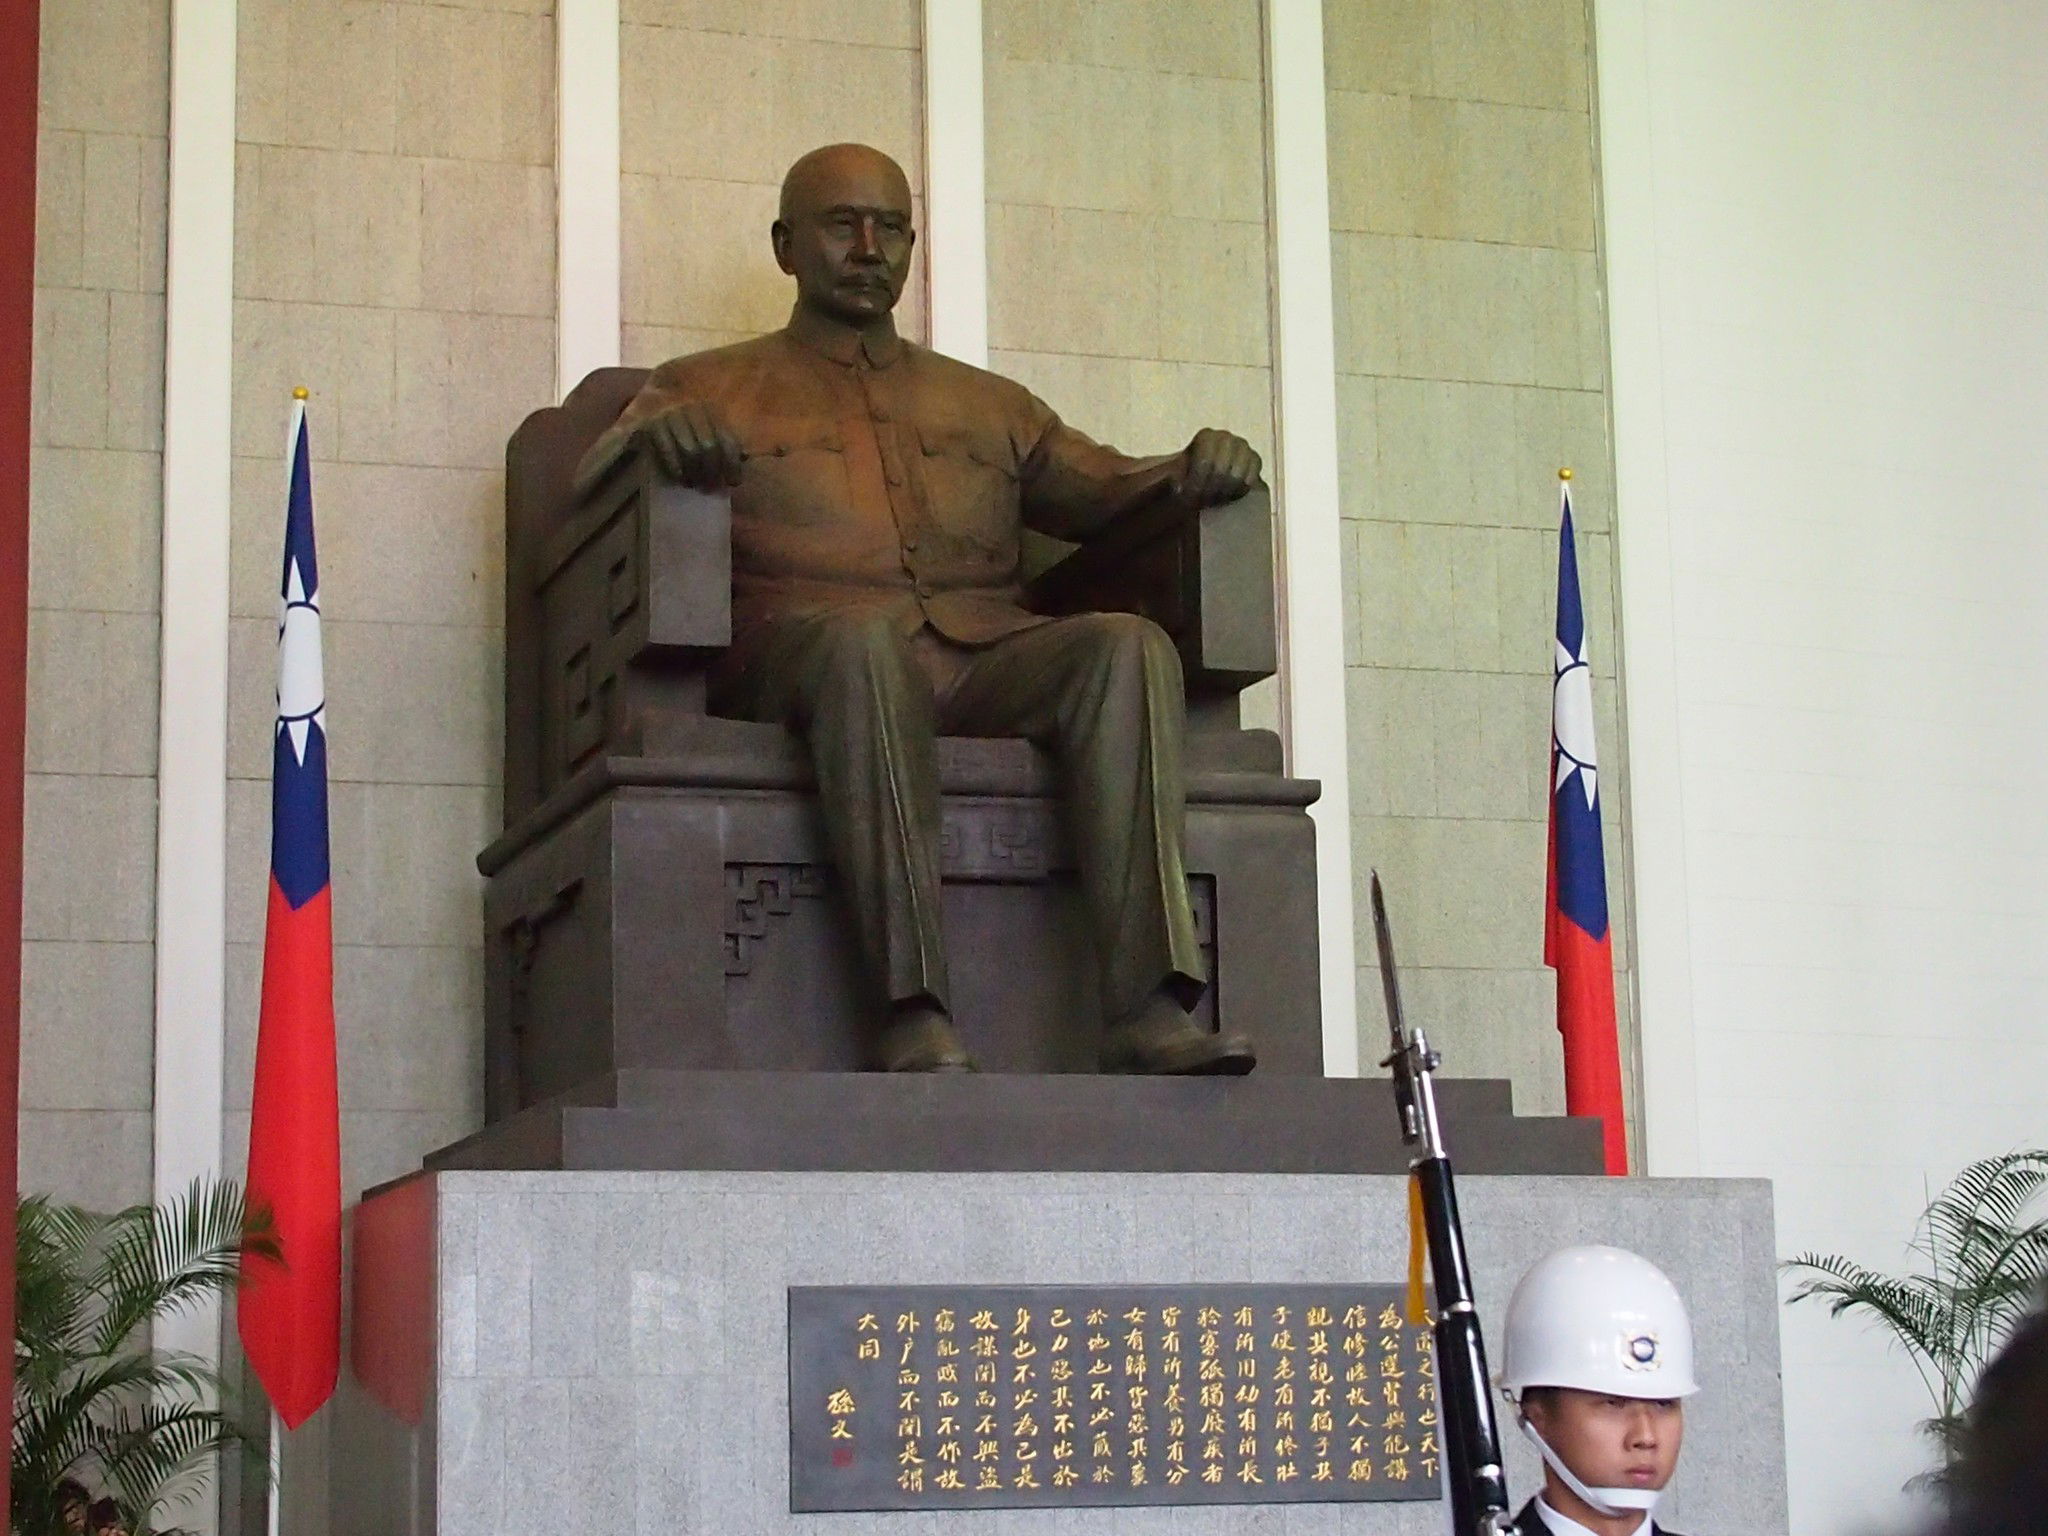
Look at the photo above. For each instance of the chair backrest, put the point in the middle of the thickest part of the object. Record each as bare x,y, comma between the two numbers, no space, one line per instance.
540,473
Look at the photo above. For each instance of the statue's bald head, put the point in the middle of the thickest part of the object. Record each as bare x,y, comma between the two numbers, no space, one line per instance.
844,232
850,174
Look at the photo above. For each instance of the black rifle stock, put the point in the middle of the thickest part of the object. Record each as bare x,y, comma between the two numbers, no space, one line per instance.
1472,1460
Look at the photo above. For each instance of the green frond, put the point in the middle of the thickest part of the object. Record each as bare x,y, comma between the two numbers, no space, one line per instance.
1833,1266
92,1401
1987,1269
1993,1190
161,1455
159,1261
59,1429
51,1301
1914,1318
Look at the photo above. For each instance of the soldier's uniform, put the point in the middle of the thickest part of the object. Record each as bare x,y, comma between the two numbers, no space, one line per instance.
1539,1519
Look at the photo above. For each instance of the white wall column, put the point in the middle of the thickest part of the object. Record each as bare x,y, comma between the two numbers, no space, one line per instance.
191,844
1649,648
586,189
956,184
1312,691
192,713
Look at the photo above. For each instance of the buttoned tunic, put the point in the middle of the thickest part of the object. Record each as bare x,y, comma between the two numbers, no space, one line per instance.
877,591
883,475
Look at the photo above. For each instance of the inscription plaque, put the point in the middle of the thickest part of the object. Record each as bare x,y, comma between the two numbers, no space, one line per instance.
980,1397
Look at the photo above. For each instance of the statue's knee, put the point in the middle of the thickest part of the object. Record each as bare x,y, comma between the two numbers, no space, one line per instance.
1130,639
1125,634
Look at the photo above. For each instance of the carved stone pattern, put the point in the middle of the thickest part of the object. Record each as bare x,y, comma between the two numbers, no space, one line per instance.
996,843
754,893
1202,897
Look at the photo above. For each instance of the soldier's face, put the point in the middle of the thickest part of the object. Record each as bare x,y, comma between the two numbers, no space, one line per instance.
847,239
1611,1442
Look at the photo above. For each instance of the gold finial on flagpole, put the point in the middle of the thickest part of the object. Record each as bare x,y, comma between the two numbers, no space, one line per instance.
1565,473
301,393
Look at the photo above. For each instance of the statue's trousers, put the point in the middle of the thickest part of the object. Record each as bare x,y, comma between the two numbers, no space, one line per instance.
1101,692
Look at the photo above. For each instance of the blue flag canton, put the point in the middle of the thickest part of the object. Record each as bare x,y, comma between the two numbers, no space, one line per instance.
298,521
298,815
298,785
1581,860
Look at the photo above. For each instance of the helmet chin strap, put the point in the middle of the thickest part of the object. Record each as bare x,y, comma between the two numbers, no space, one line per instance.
1611,1502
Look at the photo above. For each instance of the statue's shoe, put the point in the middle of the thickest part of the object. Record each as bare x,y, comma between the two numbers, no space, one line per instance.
923,1041
1172,1045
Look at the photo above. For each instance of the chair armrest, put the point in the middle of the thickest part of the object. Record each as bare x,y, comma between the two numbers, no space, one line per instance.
662,554
1205,578
634,590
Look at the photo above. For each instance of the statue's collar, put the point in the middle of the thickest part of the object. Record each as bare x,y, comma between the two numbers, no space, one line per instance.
842,343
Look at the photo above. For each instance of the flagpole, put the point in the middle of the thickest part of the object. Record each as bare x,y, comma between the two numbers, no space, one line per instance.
270,1498
1578,942
274,1469
288,1315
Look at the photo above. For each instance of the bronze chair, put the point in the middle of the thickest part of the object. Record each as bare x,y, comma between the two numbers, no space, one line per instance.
661,896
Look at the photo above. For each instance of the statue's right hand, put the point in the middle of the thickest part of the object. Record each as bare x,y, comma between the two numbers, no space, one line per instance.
693,446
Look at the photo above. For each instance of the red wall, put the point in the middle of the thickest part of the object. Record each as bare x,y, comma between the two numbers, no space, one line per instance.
18,25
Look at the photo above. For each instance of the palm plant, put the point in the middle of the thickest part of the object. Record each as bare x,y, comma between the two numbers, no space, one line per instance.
92,1403
1986,1264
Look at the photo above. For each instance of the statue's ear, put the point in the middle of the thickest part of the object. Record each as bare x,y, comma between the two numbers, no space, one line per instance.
778,236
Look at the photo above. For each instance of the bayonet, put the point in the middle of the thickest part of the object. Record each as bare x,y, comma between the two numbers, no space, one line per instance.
1472,1464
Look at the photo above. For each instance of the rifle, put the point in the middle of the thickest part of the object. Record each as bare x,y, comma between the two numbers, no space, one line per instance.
1479,1490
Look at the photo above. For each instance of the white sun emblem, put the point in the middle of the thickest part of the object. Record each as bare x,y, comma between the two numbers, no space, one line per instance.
1572,721
301,690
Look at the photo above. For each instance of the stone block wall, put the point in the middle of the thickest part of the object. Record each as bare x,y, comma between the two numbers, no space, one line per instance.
394,254
1128,269
1471,347
717,98
88,960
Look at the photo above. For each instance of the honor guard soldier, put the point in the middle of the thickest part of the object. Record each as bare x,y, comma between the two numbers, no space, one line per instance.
1597,1363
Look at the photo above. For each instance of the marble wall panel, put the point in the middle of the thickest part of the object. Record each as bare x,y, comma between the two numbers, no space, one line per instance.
1528,54
395,243
465,85
89,857
92,1003
717,101
317,76
876,23
1147,406
1129,277
105,67
99,1158
1470,347
94,534
1220,41
729,106
94,676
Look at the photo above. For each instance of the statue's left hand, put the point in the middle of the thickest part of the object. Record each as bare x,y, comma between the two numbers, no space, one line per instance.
1215,467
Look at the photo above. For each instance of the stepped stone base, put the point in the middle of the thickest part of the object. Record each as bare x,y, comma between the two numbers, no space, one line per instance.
855,1121
606,1353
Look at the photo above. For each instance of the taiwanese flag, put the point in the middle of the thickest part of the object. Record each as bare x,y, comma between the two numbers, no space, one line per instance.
290,1313
1576,939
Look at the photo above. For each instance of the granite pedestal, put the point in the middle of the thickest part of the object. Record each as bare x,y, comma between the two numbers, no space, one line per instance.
562,1353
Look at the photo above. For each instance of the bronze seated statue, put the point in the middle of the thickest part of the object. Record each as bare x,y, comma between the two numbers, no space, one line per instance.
773,663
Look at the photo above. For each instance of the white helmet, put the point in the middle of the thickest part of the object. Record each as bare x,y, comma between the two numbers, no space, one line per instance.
1601,1320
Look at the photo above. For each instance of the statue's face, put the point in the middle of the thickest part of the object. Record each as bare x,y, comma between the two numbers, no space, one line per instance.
846,237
